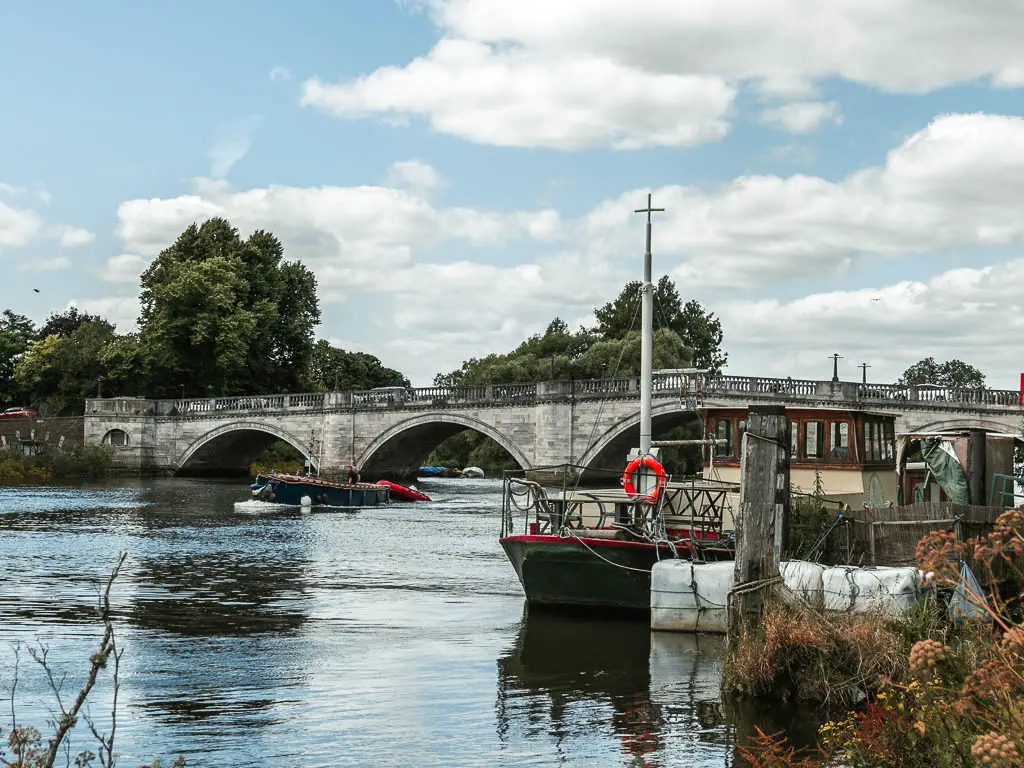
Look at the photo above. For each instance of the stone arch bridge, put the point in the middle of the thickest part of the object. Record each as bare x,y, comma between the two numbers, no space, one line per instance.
591,423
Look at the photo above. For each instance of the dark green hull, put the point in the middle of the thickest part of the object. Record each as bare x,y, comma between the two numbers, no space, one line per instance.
587,573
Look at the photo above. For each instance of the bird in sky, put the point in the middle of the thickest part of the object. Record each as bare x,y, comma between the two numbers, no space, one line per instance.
36,290
876,298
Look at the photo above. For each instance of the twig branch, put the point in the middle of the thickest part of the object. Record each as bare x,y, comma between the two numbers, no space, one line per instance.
69,717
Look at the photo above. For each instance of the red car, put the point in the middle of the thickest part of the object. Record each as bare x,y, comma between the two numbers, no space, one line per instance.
19,413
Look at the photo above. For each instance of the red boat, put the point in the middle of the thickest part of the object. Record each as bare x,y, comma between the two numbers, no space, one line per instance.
401,492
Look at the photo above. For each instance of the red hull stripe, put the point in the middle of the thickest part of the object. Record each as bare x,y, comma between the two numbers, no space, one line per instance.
597,543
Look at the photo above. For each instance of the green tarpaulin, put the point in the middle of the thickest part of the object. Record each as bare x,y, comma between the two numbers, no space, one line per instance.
946,469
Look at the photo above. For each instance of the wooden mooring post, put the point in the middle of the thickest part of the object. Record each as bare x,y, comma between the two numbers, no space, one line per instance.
763,524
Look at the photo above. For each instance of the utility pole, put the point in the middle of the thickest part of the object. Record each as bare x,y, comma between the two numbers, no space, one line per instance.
647,344
864,367
835,367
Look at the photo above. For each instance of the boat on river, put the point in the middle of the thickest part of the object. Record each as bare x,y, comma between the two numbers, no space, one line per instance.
595,549
308,490
404,493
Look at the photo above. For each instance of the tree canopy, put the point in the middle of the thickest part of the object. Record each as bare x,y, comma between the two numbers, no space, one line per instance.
699,330
685,334
16,334
952,373
331,367
223,315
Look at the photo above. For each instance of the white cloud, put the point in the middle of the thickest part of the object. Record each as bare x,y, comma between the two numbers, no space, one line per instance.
611,73
976,315
910,46
72,236
122,311
9,190
366,228
277,74
801,116
18,225
946,186
125,268
45,265
233,143
413,175
516,97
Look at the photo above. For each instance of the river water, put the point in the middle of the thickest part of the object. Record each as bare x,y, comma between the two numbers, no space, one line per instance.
394,636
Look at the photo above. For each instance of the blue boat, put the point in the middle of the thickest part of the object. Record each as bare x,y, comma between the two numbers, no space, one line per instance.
304,491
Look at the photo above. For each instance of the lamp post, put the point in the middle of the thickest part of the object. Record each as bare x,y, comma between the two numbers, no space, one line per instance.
835,367
99,388
864,367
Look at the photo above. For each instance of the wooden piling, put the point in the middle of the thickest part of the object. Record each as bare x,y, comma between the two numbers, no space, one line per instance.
976,466
762,527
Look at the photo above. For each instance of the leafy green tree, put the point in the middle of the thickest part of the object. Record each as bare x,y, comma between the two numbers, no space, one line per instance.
222,315
65,323
350,370
16,333
59,372
952,373
700,330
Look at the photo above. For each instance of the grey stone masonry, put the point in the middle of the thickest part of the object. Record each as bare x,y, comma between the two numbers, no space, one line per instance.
540,424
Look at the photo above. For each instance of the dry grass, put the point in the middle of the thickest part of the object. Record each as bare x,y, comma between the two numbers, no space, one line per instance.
798,655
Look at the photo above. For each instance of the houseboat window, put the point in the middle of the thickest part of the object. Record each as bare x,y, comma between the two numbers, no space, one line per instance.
794,439
814,439
839,440
878,441
890,447
724,432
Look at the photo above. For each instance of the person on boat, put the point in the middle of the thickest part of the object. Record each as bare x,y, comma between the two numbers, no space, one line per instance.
353,474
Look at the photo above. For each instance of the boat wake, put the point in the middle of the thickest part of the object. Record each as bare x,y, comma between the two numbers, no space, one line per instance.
254,507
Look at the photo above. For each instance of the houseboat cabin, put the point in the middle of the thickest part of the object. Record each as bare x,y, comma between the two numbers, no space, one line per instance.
851,452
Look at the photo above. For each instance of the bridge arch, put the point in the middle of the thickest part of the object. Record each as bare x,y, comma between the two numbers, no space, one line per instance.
234,446
609,450
962,422
405,444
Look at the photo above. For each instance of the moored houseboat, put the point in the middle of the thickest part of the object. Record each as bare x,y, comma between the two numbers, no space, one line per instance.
846,455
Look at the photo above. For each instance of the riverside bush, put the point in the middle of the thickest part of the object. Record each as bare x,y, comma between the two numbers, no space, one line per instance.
82,461
957,696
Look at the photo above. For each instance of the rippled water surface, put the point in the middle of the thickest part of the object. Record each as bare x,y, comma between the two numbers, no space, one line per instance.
394,636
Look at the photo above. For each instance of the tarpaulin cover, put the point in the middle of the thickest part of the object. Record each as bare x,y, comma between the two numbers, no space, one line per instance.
939,457
968,601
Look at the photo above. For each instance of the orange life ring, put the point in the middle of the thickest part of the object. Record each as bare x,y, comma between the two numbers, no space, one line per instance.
659,472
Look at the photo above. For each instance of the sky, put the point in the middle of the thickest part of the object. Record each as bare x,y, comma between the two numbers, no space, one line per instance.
840,177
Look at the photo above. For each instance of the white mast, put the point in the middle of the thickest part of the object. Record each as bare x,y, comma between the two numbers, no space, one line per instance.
646,338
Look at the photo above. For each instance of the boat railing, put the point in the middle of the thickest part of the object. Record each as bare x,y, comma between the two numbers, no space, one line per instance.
696,509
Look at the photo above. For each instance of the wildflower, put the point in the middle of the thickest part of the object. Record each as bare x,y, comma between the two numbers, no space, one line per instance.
926,655
1013,639
995,749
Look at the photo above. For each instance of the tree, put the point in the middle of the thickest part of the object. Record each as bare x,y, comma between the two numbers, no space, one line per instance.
952,373
16,333
65,323
350,370
222,315
699,330
60,372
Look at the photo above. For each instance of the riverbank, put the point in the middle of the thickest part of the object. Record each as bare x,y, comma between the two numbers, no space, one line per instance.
80,462
940,686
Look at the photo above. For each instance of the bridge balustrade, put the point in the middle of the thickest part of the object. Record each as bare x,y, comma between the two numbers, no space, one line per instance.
664,385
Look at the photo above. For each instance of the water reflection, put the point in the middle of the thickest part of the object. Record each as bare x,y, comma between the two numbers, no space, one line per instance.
216,593
657,695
